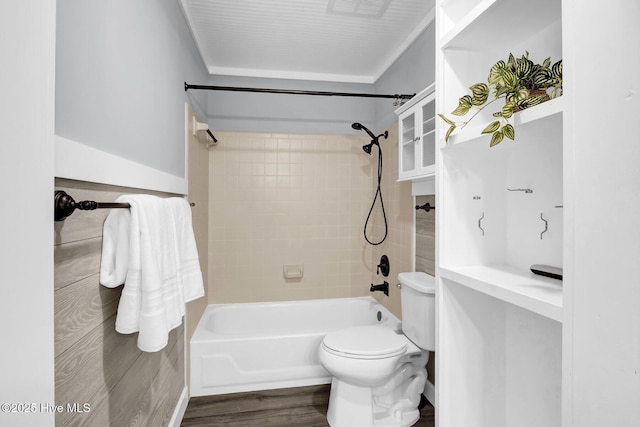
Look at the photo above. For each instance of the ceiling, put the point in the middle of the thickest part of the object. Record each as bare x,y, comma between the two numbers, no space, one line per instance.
327,40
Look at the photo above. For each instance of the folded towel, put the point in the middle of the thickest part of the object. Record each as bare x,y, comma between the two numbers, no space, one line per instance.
160,261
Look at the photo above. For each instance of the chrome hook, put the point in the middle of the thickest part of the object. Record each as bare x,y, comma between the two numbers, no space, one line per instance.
525,190
546,225
480,223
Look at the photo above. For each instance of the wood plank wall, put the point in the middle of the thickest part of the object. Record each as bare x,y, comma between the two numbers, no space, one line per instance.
94,364
426,254
426,236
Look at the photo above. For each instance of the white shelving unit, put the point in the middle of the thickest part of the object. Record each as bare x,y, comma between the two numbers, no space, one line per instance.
471,133
470,24
500,211
537,294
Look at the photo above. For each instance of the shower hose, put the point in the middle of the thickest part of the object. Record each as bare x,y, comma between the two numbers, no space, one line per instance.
378,194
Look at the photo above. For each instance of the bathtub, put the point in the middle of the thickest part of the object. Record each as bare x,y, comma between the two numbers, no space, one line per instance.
260,346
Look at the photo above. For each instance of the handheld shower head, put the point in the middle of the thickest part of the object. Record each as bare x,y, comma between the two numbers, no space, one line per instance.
358,126
374,139
367,149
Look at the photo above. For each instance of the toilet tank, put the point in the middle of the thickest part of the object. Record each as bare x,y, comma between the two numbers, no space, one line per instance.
417,295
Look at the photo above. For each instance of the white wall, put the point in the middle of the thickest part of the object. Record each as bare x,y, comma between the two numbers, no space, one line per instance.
602,270
280,113
121,68
413,71
27,37
258,112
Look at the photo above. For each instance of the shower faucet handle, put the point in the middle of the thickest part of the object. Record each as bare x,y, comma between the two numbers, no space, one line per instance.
384,266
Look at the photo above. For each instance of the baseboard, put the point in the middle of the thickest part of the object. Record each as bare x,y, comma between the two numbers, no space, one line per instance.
430,393
181,407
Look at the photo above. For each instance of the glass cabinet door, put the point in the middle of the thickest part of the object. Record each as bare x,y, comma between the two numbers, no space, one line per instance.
408,143
417,139
428,158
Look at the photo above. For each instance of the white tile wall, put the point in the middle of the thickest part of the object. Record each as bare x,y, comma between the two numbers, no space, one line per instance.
280,199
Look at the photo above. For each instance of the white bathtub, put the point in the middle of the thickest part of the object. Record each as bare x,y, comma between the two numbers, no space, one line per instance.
260,346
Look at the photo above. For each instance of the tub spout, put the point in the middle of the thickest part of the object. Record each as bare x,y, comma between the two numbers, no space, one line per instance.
384,287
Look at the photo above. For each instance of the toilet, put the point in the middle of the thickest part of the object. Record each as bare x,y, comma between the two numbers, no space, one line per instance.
379,373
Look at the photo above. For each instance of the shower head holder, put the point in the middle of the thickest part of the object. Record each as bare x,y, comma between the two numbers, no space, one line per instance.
374,139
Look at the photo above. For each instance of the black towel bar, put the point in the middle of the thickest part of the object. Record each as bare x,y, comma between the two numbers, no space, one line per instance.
64,205
427,207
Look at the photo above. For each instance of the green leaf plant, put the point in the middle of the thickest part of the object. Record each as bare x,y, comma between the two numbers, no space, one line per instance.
520,83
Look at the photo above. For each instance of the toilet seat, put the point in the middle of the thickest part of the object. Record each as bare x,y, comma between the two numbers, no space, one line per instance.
365,342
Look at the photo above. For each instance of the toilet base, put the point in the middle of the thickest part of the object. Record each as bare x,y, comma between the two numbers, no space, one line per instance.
384,406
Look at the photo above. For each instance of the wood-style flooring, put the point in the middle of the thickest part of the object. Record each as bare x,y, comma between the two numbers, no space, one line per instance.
291,407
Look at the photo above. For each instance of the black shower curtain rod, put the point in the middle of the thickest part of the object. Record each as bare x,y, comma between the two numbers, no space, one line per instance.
188,86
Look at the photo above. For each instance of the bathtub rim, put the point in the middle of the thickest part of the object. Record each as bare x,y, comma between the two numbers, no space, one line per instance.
202,334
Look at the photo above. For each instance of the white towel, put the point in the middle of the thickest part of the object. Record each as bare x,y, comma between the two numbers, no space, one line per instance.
115,247
188,261
152,300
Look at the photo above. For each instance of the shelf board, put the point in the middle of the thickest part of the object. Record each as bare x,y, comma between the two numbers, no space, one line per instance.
530,115
467,21
495,18
524,289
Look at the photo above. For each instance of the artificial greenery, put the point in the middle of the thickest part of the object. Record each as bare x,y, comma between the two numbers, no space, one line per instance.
520,82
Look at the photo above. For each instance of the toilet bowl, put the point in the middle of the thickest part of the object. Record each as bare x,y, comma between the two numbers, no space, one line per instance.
379,373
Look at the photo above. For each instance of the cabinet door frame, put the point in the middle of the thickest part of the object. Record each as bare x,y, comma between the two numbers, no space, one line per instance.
417,170
425,170
408,171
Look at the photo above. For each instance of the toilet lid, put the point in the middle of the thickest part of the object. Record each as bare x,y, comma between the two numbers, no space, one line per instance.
366,342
